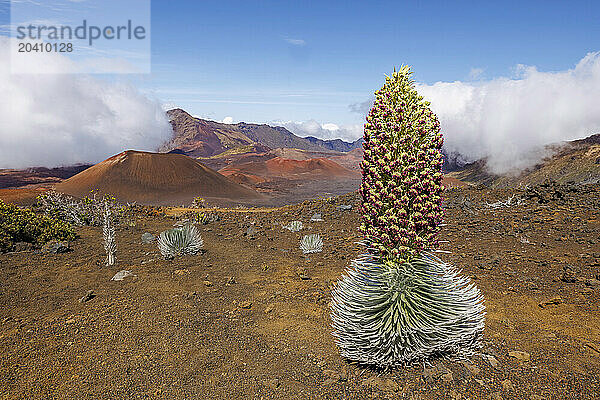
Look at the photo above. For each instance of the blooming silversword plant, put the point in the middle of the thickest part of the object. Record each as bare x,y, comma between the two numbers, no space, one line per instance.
402,171
398,303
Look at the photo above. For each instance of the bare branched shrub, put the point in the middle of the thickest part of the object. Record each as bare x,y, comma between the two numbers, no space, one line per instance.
108,231
88,211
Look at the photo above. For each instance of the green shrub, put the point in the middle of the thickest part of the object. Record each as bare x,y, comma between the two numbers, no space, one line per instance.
5,241
24,225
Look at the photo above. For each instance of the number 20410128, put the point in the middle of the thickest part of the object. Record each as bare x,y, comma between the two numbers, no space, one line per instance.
45,47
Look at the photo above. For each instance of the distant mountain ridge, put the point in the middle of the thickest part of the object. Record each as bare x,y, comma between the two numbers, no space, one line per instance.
197,137
336,144
229,144
38,175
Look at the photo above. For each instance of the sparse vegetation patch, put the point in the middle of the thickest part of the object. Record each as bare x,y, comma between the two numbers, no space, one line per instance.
25,225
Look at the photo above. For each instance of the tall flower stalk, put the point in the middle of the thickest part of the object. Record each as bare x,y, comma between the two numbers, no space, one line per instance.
398,303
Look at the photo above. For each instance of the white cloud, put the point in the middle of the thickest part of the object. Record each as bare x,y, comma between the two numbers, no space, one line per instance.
326,131
362,107
296,42
508,121
227,120
475,73
169,106
330,127
61,119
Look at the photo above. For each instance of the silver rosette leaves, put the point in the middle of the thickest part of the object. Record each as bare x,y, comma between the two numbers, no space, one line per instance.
388,314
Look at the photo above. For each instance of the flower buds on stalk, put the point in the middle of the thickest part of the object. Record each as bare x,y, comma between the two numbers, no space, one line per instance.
406,159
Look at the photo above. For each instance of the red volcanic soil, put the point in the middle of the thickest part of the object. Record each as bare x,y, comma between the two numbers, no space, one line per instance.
292,154
282,167
313,166
351,159
218,163
244,179
25,196
154,178
249,318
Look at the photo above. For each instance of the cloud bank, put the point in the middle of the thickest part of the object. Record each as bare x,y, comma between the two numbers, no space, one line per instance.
63,119
509,120
326,131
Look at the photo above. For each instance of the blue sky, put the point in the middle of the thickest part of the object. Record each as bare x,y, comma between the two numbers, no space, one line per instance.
284,60
505,77
296,61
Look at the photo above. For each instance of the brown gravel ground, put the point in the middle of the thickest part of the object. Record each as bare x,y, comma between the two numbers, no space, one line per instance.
248,318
